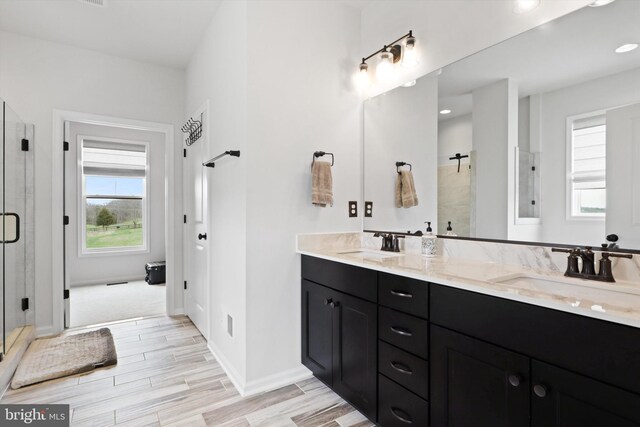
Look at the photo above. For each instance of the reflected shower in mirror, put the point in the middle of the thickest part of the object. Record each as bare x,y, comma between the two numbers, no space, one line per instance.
535,138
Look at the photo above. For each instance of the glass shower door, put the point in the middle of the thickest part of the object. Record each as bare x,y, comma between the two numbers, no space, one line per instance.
16,216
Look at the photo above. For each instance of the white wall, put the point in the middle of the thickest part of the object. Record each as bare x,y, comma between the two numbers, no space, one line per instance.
449,30
492,122
279,106
402,125
100,269
454,136
37,77
604,93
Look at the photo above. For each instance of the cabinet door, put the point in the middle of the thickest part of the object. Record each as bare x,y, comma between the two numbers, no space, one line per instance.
355,355
564,399
476,384
317,332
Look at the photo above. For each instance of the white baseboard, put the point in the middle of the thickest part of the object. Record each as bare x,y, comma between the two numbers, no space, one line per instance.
276,381
261,385
236,379
45,331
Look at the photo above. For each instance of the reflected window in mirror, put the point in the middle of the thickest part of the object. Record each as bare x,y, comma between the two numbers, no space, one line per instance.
587,166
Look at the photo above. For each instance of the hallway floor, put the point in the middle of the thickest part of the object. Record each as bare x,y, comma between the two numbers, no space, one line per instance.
166,376
101,303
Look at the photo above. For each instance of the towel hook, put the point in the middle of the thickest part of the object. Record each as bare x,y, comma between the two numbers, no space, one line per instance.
320,154
400,164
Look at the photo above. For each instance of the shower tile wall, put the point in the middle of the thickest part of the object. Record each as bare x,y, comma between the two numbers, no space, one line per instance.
454,198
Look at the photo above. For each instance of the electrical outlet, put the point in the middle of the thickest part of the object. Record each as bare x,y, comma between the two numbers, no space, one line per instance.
230,325
368,209
353,209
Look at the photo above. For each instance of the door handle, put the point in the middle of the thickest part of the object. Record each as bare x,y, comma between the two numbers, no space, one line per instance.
202,236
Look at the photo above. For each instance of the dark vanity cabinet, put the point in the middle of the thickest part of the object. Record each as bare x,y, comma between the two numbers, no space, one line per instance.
406,352
339,332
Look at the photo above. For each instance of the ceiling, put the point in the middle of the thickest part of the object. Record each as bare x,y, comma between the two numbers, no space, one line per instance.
576,48
162,32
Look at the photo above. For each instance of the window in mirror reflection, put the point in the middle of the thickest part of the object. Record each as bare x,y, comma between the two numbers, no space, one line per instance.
588,166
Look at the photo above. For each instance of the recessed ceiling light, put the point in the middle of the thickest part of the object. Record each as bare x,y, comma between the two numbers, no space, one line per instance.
598,3
445,111
523,6
627,48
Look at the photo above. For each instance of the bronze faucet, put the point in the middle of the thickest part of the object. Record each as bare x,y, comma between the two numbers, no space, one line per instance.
605,273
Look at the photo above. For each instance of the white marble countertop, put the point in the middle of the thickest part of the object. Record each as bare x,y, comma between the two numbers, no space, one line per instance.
615,302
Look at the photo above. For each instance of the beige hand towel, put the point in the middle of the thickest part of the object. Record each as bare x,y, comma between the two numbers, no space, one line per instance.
321,184
406,196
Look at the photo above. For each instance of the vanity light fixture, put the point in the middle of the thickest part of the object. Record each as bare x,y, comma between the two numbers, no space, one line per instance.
445,111
384,69
388,56
628,47
524,6
598,3
363,76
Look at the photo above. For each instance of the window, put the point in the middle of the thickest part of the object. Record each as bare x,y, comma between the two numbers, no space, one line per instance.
587,168
114,196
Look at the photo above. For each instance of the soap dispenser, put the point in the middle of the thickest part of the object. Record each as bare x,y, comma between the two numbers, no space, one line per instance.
450,230
429,242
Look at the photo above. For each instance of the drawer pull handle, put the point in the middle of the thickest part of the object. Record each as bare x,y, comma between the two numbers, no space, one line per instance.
401,368
401,294
401,331
401,415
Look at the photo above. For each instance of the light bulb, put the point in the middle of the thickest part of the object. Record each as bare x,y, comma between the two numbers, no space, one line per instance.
523,6
384,69
410,55
363,76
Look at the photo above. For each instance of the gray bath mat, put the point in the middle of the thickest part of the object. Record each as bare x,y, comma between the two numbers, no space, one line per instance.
60,356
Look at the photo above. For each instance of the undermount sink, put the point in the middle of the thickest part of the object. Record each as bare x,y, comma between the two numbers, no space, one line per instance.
598,296
372,255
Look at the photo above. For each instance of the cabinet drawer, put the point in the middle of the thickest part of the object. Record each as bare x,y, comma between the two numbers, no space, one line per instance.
402,330
404,368
356,281
404,294
399,407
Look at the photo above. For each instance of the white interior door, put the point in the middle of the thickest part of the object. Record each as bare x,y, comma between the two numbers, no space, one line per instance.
195,240
623,175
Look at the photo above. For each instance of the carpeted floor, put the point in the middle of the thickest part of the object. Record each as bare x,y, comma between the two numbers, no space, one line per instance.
100,303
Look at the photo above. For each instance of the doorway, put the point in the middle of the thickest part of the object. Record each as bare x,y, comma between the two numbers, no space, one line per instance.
116,201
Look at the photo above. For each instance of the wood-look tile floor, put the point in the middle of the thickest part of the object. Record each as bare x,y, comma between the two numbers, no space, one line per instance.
166,376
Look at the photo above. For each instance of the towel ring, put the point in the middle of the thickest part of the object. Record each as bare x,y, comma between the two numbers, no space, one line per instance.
400,164
320,154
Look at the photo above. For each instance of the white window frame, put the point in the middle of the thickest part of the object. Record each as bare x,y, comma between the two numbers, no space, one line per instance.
83,251
569,168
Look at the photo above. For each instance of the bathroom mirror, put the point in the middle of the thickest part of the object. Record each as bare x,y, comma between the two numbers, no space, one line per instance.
534,139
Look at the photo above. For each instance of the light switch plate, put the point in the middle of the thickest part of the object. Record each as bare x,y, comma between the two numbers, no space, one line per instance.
368,209
353,209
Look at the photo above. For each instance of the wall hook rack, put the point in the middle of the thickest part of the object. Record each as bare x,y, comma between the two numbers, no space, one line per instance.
211,163
400,164
458,157
193,128
320,154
